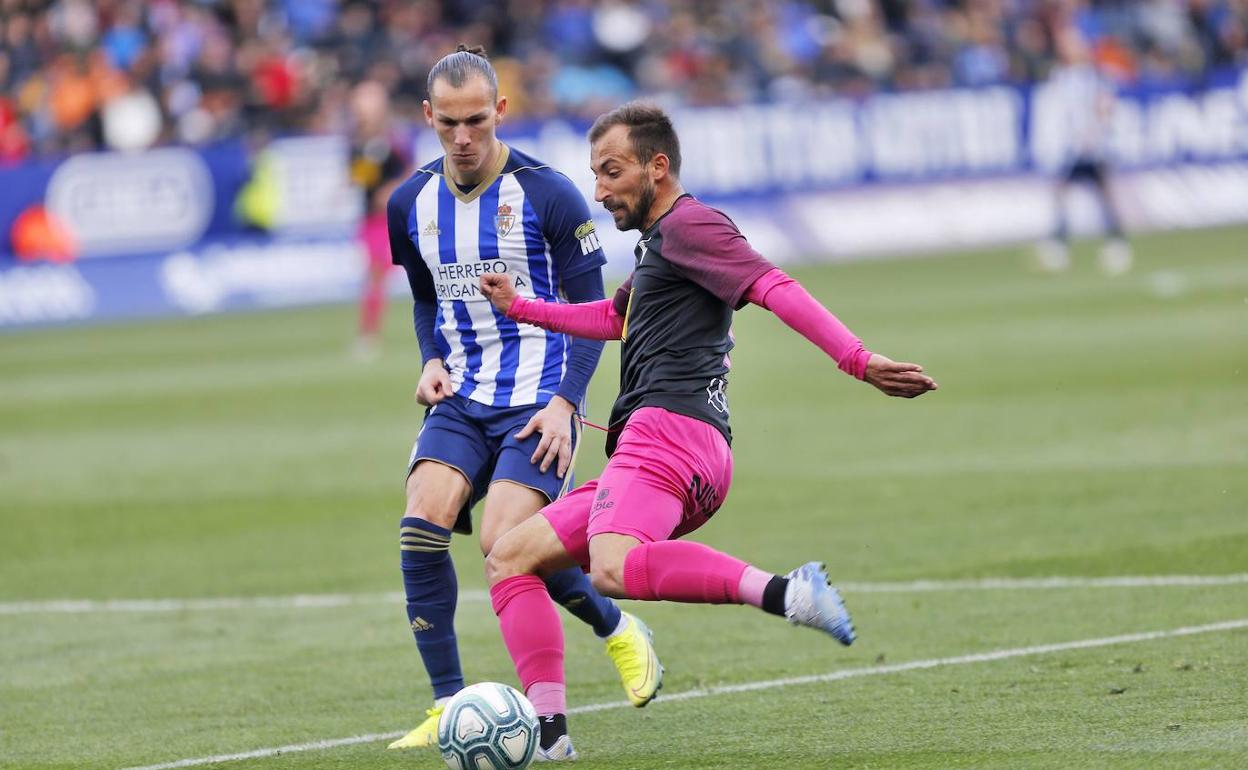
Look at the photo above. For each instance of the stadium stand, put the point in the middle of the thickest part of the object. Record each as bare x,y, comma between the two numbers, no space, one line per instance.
125,74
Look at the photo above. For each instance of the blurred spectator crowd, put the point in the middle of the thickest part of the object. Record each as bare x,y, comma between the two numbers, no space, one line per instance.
125,74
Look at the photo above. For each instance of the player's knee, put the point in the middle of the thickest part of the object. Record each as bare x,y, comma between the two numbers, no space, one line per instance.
503,560
495,524
419,509
429,508
435,494
608,578
488,539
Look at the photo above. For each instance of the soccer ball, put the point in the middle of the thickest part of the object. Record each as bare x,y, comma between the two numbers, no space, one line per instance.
488,726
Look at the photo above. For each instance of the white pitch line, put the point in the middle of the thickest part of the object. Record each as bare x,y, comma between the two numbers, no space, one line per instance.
263,753
295,601
768,684
319,601
1016,584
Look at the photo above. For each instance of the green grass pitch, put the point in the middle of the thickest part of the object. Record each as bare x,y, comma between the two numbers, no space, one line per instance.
1085,427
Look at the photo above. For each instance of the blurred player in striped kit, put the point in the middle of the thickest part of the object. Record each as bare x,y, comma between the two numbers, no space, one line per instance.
502,397
1086,101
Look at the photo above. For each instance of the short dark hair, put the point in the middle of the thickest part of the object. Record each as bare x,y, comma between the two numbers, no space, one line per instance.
649,129
456,68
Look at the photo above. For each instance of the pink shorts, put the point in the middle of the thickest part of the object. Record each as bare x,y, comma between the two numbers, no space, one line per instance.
668,475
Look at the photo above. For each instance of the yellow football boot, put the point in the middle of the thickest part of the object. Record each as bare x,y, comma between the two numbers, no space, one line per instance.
632,652
425,734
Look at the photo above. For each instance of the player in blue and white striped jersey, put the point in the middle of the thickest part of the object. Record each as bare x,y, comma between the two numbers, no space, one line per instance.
501,396
526,220
1084,99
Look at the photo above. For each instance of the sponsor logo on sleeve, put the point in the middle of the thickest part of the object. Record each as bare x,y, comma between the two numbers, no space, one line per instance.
588,238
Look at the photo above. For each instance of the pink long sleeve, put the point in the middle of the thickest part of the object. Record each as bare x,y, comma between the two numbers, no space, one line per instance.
801,312
589,320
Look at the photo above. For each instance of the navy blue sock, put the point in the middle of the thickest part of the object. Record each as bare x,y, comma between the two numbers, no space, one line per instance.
572,589
432,592
1112,224
1061,231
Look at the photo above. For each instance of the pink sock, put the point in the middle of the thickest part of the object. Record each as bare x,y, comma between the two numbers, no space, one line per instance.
683,571
534,637
753,583
548,698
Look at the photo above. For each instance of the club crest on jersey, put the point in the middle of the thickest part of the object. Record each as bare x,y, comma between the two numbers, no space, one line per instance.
588,238
504,220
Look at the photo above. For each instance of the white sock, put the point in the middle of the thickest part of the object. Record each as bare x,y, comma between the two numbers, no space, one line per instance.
619,627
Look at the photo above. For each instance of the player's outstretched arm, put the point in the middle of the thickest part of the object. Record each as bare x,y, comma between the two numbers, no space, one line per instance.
792,304
590,320
897,378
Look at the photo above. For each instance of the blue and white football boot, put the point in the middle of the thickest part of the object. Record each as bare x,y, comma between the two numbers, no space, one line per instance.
559,751
810,600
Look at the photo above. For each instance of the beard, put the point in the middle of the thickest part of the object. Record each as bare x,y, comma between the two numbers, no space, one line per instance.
634,217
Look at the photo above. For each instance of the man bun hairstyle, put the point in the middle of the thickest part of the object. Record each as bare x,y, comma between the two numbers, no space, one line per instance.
649,129
455,68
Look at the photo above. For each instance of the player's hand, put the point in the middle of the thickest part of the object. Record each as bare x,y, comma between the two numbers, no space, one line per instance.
896,378
554,422
497,288
435,383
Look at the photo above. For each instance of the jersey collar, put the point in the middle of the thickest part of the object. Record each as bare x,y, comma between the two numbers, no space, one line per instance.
468,197
655,226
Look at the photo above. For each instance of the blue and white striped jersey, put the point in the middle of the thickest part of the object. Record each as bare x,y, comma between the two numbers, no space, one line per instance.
524,219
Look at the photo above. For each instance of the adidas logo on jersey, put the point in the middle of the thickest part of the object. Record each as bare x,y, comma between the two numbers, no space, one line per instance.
432,228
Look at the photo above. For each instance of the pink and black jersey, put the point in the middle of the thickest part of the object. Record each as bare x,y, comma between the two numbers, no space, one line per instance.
693,267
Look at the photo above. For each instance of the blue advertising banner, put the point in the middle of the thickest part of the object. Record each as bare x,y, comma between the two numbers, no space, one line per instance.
927,136
221,276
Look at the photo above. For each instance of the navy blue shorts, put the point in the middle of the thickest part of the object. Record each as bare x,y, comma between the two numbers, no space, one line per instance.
479,441
1086,170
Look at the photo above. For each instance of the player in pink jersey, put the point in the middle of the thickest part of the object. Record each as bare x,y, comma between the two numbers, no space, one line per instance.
670,463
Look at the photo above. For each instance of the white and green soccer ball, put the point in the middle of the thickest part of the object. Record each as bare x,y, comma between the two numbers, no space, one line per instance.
488,726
